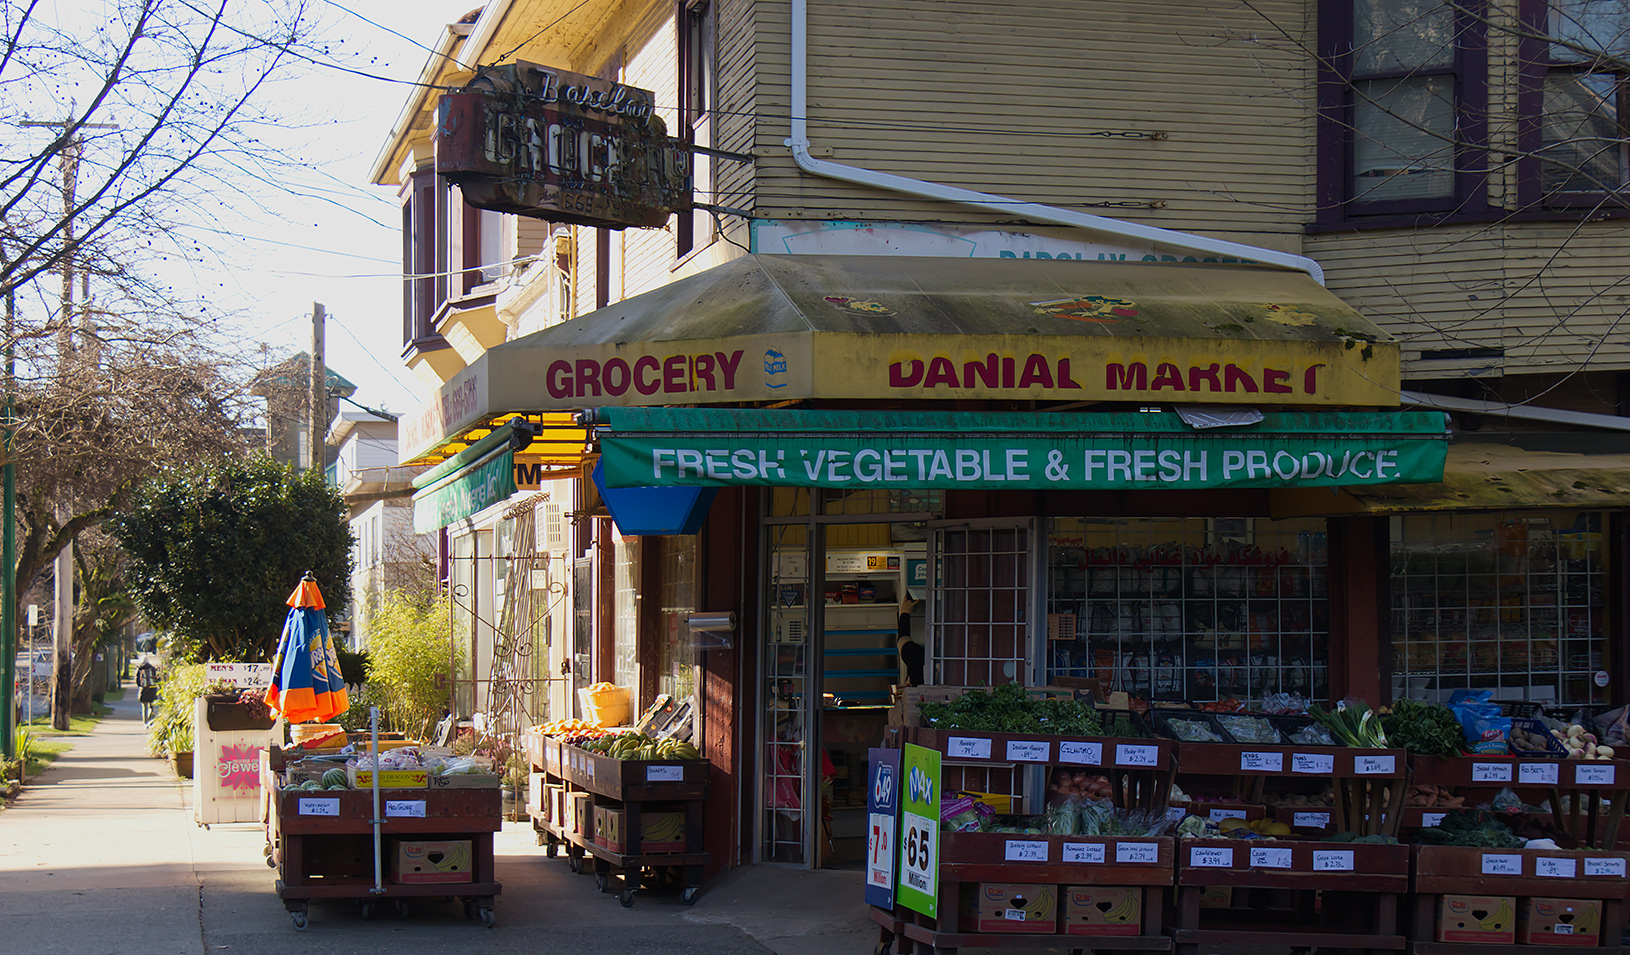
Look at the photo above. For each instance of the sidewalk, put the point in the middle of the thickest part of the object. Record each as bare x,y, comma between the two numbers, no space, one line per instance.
101,855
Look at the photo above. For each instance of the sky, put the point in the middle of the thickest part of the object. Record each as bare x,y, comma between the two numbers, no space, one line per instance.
330,237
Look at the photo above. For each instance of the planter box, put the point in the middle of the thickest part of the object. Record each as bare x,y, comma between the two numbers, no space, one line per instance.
183,763
228,714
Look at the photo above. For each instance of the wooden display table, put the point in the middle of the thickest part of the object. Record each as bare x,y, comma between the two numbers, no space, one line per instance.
1544,873
1365,782
630,788
1595,790
323,845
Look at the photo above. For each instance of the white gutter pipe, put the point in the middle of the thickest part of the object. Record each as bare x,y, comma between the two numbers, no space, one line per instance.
799,144
1583,419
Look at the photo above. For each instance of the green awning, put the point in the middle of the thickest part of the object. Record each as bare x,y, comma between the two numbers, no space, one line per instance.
989,450
464,491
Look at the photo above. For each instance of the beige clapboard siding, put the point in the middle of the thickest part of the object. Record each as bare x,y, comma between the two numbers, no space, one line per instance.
970,85
647,255
1553,295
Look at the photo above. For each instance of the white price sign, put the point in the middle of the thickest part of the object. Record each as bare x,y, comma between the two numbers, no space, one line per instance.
1129,754
1320,764
1088,853
880,858
965,747
1270,858
664,774
1081,754
1332,860
1543,774
319,807
588,767
1607,867
1028,751
1025,850
1552,867
405,808
1430,819
1137,853
1501,864
919,842
1205,857
1310,820
1593,775
1374,765
1250,762
1491,772
1217,815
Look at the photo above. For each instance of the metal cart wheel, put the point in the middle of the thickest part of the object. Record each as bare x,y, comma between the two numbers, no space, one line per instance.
602,881
627,898
575,863
403,910
299,919
367,910
469,908
882,948
487,918
688,897
551,848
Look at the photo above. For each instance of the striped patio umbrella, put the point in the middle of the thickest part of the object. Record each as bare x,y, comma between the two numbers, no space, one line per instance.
306,683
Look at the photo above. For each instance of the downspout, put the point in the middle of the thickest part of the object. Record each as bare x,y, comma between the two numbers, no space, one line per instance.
799,144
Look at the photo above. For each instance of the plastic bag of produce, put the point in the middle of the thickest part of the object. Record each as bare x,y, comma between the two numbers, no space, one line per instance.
958,814
1063,819
1486,730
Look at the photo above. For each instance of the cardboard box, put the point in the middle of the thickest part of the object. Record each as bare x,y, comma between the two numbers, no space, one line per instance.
1216,897
1560,922
1102,910
1010,908
1487,919
466,781
389,779
297,773
580,814
554,811
418,860
659,831
535,791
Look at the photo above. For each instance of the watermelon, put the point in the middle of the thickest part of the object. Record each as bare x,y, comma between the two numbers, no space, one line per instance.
336,779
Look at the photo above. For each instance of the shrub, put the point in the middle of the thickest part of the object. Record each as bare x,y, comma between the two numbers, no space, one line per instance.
171,730
410,660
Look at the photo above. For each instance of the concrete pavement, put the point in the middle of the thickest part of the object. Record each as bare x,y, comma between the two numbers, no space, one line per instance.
102,855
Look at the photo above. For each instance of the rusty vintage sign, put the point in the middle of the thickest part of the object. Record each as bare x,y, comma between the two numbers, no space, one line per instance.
561,146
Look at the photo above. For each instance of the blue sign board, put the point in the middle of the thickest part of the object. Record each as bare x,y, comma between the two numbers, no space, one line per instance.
882,818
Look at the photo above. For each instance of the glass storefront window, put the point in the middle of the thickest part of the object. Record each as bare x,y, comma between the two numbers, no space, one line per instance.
1190,608
676,659
625,625
1516,604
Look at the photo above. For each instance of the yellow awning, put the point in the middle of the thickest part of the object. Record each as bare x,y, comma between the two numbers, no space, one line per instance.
558,446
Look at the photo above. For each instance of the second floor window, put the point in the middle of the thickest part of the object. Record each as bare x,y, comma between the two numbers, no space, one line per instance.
1576,69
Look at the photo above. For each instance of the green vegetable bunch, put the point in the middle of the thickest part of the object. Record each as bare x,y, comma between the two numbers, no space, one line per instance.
1352,725
1469,828
1007,709
1424,728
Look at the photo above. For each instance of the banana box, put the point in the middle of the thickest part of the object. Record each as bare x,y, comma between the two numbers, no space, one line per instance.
1217,897
1102,910
535,786
580,814
1560,922
1010,907
1489,919
420,860
660,832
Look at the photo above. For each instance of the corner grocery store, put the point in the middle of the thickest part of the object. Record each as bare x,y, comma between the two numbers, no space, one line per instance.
1275,582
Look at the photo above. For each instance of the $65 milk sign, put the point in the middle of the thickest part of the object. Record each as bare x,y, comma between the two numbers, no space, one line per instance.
918,882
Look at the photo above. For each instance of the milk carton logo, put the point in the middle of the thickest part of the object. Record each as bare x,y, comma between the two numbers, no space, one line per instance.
775,366
883,787
922,787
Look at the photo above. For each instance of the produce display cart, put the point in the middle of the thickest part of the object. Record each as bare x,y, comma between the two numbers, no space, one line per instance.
1134,873
576,792
322,844
1516,875
1587,797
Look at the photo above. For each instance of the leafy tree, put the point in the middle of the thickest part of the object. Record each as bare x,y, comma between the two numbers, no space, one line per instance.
410,658
215,550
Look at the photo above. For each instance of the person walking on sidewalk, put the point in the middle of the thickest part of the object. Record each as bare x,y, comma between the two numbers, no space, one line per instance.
147,683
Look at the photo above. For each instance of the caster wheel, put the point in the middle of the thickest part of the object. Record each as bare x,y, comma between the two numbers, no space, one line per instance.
882,948
575,863
688,897
602,881
487,918
627,898
551,850
403,910
299,919
469,909
271,863
367,911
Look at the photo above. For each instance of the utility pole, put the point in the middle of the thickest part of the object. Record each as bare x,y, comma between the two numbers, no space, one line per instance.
8,558
319,386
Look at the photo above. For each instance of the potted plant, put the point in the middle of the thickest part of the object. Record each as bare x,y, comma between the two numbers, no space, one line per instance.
170,732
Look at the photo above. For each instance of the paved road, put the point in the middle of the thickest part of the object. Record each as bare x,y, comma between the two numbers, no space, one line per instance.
103,856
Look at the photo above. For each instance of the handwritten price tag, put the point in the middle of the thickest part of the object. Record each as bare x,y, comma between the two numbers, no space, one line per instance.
1209,858
1262,762
1491,772
1088,853
1127,754
1081,754
963,747
1217,815
1601,867
1029,751
1137,853
1270,858
1551,867
1593,775
1332,860
1374,765
319,807
1501,864
1430,819
1543,774
1310,820
406,808
664,774
1322,764
1024,850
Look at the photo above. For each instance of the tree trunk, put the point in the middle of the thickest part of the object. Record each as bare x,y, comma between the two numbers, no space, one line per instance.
62,695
